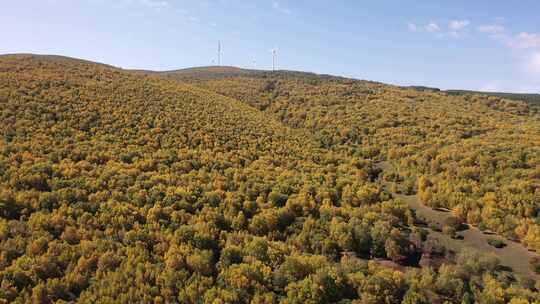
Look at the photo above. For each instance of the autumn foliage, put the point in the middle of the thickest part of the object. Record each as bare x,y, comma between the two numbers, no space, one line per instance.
124,188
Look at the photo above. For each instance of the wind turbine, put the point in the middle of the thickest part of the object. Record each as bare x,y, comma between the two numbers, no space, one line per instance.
219,53
274,58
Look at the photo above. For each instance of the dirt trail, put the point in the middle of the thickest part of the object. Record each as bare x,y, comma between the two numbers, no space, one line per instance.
514,255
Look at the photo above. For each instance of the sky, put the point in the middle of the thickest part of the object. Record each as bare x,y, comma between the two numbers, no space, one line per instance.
491,45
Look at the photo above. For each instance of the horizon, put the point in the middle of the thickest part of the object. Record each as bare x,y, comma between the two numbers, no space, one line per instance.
477,46
268,70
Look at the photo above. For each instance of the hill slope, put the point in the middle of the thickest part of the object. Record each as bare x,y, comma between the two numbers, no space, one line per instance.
479,155
125,188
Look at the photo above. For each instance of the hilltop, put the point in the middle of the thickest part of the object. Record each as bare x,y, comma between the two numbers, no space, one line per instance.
224,185
201,72
216,72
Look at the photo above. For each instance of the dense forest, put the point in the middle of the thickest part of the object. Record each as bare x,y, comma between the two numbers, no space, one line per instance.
476,155
133,187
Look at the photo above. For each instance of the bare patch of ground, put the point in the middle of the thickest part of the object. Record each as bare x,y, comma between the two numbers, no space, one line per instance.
514,255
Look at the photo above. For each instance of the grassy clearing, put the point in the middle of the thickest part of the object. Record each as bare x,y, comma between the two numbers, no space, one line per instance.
512,255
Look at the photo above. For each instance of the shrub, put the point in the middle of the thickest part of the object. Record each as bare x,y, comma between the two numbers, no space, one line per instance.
450,231
278,199
454,222
535,264
496,243
434,226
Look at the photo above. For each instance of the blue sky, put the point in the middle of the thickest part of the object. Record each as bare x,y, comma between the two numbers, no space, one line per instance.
488,45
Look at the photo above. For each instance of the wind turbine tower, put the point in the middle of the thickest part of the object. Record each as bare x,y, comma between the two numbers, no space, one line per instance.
219,53
274,59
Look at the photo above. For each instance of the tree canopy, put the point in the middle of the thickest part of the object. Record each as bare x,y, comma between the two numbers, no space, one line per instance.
121,188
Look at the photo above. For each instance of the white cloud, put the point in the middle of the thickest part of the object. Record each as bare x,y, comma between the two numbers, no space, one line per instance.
458,28
412,27
493,29
281,9
525,40
433,27
157,5
458,25
533,64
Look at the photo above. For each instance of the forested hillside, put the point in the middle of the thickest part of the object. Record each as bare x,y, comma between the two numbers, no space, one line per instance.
117,187
477,155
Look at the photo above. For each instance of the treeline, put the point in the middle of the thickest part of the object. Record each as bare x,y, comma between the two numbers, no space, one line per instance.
533,99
